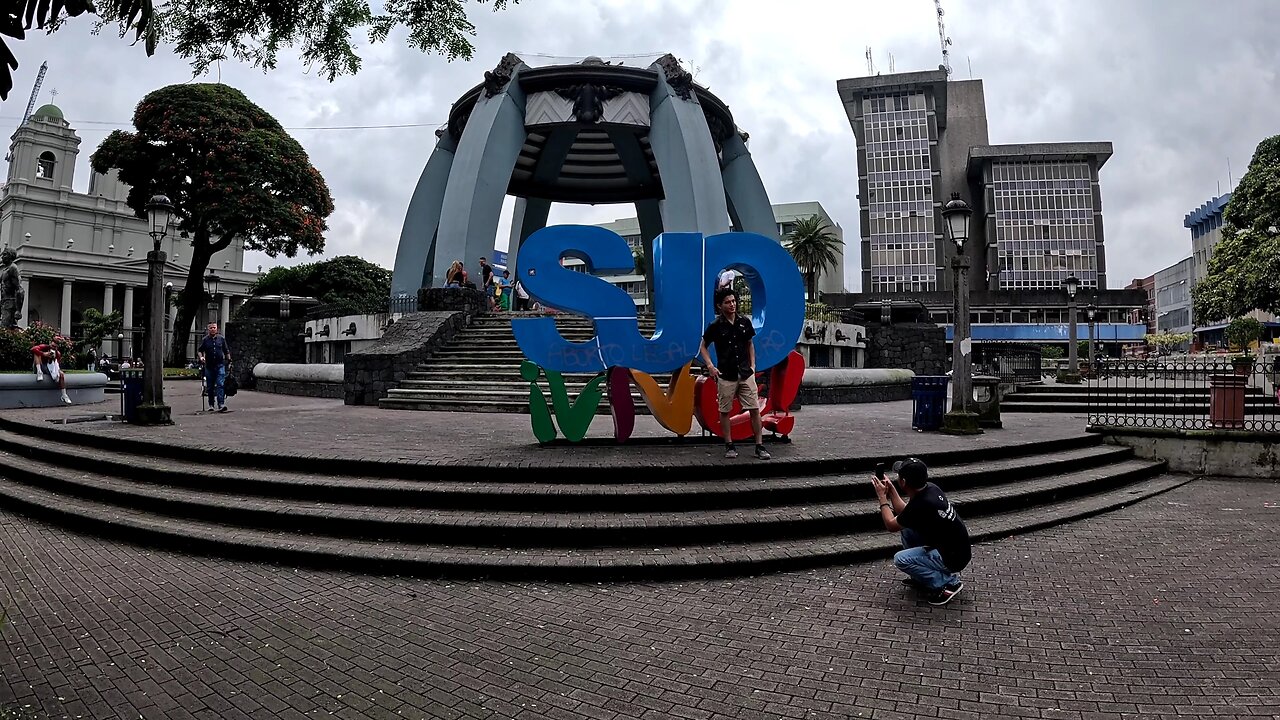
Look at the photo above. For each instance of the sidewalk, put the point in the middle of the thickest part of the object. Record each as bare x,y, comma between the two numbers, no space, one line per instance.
309,427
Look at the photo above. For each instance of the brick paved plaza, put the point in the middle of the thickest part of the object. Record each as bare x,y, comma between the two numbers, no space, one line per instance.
1165,608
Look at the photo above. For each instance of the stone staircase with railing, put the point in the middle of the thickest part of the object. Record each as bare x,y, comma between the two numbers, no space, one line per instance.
479,370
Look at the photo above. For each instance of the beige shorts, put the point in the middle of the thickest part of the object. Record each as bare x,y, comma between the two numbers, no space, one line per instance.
744,390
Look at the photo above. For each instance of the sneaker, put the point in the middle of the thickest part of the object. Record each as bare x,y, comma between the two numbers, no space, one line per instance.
211,409
223,409
66,399
946,594
913,583
39,377
730,452
761,453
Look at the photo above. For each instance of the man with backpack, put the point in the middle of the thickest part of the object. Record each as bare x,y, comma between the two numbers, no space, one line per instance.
215,356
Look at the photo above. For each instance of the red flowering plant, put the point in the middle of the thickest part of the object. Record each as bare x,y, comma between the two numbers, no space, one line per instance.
16,344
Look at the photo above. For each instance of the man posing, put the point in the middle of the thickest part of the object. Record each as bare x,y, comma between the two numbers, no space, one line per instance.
736,374
47,358
215,355
934,538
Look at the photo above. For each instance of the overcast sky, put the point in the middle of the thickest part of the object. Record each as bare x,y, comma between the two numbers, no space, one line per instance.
1181,88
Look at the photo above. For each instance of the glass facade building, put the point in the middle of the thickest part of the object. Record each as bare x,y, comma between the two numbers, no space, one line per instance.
900,196
1044,224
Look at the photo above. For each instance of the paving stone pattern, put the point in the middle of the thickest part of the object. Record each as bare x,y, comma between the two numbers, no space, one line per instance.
1166,608
311,427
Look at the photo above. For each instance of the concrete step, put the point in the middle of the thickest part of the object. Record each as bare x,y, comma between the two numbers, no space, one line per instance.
514,527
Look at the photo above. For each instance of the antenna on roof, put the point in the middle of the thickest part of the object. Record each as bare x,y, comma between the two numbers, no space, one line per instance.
1230,180
943,40
871,63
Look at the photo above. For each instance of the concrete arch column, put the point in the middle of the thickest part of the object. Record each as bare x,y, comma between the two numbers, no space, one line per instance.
477,185
415,256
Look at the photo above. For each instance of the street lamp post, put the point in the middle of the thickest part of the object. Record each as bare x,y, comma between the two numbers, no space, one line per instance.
152,410
1072,375
960,420
211,281
1091,312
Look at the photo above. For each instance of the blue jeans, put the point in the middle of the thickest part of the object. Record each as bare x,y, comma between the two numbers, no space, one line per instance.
214,377
924,565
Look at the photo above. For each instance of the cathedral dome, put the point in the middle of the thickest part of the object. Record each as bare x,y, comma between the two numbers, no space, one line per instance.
52,112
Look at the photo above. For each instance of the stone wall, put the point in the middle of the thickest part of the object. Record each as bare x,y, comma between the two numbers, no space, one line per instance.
371,372
472,302
263,340
919,347
303,389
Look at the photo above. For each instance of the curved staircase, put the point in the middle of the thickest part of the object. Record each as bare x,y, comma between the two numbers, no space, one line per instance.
479,369
631,520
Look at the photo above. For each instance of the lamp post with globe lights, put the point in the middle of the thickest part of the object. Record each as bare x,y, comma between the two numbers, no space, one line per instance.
960,420
1072,375
153,410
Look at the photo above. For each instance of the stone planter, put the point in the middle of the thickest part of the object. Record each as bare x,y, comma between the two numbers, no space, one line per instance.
20,390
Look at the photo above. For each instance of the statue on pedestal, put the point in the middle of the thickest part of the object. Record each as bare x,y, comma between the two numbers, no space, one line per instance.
11,295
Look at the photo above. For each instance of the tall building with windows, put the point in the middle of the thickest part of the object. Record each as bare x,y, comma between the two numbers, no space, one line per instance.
1173,298
1041,207
1205,224
921,140
785,214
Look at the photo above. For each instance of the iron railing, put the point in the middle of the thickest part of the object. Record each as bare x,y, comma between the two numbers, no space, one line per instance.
1011,362
1190,393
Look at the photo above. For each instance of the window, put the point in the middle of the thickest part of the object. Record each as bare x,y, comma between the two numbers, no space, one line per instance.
44,166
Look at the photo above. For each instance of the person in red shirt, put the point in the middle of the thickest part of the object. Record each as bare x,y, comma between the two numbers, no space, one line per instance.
46,357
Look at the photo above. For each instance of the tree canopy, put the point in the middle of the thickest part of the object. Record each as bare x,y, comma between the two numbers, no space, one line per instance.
814,247
230,170
1244,271
206,31
347,280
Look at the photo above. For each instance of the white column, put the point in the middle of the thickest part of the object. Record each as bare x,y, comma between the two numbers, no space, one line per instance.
224,314
64,326
127,350
26,303
108,306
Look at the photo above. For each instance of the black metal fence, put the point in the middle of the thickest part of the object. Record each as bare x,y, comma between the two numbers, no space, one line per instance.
1010,362
1194,393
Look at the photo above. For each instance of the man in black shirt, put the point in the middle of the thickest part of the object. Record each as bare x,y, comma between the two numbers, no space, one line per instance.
216,356
735,374
934,538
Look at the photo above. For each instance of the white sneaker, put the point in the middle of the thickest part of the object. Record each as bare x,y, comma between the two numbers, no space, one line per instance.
66,399
39,377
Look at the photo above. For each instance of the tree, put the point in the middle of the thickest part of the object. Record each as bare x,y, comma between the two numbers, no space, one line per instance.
1243,332
207,31
96,327
1245,264
814,248
1167,342
230,171
348,281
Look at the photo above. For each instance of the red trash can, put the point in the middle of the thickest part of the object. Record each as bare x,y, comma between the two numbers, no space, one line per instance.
1226,401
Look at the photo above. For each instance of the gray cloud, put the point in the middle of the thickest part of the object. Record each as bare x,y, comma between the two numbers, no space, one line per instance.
1177,86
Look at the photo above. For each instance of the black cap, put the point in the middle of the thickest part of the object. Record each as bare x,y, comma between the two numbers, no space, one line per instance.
913,471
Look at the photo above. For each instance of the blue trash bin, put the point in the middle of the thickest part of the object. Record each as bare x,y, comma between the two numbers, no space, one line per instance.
132,380
929,392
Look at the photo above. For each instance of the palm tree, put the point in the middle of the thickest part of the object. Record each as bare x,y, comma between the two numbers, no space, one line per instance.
814,247
642,269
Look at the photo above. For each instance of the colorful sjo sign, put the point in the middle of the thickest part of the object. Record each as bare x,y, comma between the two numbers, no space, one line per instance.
684,269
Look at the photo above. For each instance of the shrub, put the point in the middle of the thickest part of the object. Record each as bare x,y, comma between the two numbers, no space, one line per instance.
16,344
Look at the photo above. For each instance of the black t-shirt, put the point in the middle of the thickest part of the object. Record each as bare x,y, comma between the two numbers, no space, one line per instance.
486,273
932,516
731,343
